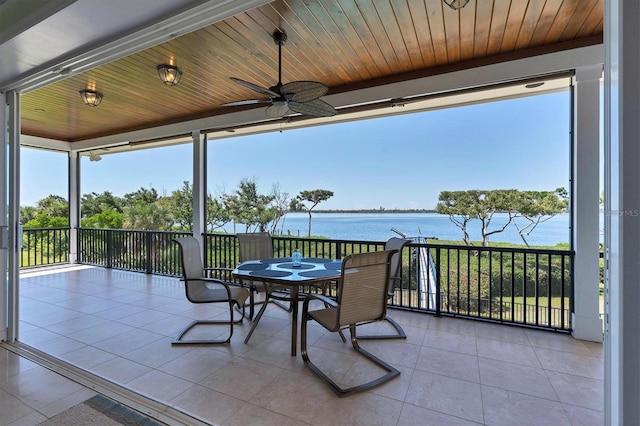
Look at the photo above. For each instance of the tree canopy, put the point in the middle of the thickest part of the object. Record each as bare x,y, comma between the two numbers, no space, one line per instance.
308,200
534,207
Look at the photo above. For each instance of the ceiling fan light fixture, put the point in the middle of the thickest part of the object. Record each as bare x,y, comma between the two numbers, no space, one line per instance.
456,4
93,156
169,74
91,97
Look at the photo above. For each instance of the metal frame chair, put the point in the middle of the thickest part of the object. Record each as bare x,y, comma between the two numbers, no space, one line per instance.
398,244
256,246
201,289
361,299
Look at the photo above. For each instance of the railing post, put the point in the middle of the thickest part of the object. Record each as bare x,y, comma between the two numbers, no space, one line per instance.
438,291
109,241
148,240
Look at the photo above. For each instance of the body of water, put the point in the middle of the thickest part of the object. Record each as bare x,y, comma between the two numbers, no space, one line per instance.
377,227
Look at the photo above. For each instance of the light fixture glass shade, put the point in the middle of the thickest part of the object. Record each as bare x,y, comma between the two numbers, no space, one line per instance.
91,97
456,4
169,74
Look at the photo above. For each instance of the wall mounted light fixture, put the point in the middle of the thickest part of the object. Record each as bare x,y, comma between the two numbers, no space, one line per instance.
91,97
169,74
456,4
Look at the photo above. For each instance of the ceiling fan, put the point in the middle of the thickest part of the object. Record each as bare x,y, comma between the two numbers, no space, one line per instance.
297,96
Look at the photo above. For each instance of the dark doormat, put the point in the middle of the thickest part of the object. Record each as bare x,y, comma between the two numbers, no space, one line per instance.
101,411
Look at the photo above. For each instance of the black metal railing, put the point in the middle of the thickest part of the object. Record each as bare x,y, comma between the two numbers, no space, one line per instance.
44,246
528,287
151,252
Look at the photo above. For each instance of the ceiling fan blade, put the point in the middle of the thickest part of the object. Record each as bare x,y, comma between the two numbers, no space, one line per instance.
256,88
247,102
277,110
316,107
304,91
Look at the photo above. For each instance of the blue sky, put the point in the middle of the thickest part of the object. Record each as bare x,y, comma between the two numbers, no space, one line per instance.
394,162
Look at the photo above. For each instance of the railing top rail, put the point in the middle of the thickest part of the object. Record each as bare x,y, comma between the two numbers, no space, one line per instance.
496,249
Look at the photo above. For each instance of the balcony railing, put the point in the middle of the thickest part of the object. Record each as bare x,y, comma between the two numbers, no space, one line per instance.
44,246
528,287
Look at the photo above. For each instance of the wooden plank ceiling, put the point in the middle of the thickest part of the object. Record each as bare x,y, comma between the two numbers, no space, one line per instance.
345,44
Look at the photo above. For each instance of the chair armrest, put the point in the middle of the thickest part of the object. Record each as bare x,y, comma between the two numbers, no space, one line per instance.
328,302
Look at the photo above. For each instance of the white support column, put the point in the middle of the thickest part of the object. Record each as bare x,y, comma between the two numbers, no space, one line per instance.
74,205
622,202
199,185
12,239
3,214
586,321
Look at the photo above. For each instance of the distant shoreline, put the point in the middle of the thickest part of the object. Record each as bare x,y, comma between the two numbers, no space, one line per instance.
372,211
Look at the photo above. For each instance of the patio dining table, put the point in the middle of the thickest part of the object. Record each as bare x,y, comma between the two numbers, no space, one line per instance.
281,271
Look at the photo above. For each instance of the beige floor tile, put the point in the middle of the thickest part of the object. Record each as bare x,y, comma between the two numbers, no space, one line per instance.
12,408
558,341
509,352
447,341
196,364
207,404
296,395
249,414
360,409
32,419
158,352
577,390
60,346
583,416
241,378
58,406
453,325
450,364
455,397
159,386
503,407
34,387
412,415
502,333
571,363
517,378
120,370
87,357
128,341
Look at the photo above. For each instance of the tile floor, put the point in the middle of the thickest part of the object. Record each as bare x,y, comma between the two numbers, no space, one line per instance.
119,325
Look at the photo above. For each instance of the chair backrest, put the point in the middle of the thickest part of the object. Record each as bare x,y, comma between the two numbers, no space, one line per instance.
254,246
191,257
362,293
395,244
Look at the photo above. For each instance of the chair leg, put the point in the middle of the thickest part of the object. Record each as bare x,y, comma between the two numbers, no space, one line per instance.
256,320
400,332
391,371
178,340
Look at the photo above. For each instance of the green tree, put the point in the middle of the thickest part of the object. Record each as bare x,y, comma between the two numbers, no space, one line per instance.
217,214
312,199
180,206
53,205
537,207
461,207
107,219
27,213
247,206
94,203
280,205
142,195
147,217
43,220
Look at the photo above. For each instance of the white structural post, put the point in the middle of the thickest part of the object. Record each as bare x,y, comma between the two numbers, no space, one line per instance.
586,322
199,185
74,205
622,205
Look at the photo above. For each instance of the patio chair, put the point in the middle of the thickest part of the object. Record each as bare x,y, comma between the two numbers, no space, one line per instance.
394,278
256,246
200,289
361,299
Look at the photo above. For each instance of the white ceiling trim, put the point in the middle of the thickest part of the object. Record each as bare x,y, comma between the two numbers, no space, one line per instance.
195,18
